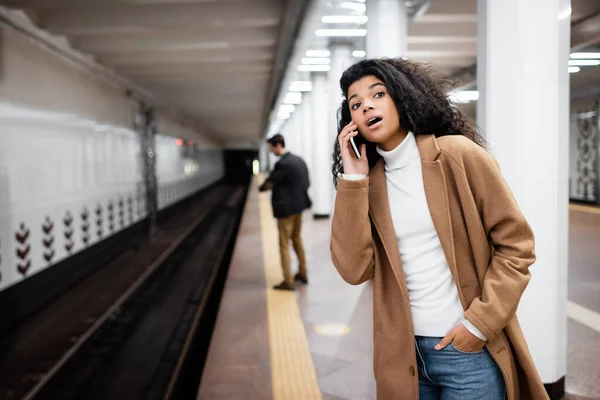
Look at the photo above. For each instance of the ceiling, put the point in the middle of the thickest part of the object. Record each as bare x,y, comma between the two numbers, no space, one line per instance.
212,59
444,33
449,31
221,61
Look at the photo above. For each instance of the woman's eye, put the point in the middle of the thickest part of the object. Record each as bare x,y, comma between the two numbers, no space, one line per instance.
355,106
378,95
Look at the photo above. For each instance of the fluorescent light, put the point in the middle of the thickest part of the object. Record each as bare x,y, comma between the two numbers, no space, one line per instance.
359,53
295,95
315,61
572,70
341,32
293,98
287,108
318,53
334,330
255,167
584,62
463,96
309,68
345,19
588,114
354,6
292,101
300,86
585,55
565,13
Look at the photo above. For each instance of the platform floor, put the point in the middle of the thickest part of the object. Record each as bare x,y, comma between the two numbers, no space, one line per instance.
316,343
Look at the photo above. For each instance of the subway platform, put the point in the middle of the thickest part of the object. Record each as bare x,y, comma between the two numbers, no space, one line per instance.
316,342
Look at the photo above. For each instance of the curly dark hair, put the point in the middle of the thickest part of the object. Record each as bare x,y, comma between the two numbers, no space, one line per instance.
420,95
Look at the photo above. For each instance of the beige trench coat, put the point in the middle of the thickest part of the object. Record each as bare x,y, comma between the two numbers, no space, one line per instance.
488,246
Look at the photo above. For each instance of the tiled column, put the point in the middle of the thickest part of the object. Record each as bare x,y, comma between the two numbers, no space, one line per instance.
322,146
386,28
524,104
263,154
341,59
291,127
306,132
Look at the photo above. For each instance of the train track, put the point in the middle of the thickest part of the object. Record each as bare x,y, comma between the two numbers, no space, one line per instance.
137,349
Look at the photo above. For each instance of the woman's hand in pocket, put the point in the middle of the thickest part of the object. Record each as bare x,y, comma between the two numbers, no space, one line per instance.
462,340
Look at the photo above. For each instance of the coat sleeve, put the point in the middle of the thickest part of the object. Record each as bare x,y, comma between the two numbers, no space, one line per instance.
351,239
512,240
277,177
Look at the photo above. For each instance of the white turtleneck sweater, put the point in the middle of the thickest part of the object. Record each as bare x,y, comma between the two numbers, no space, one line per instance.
434,300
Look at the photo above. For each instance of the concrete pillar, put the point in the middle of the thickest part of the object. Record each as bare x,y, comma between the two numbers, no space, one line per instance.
297,131
307,133
289,132
386,28
322,146
524,101
145,125
263,157
325,106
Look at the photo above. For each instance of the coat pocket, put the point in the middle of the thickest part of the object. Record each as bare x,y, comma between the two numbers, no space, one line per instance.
453,347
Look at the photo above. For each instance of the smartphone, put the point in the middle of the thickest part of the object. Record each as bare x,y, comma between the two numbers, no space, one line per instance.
356,151
344,119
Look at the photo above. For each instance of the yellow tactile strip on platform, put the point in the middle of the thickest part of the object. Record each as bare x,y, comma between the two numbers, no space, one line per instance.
292,371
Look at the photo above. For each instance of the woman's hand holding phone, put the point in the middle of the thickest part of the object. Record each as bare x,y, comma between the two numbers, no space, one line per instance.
351,163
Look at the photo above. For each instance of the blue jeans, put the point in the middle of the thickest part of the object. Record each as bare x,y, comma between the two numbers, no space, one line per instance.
450,374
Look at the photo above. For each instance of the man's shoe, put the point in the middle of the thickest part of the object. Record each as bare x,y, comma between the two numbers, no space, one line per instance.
284,286
301,279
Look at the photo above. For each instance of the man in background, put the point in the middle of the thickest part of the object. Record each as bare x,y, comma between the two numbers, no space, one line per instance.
289,182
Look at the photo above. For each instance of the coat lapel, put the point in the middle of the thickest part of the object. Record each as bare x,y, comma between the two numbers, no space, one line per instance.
436,193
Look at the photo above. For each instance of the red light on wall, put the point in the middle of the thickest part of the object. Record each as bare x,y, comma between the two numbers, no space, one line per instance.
191,143
179,142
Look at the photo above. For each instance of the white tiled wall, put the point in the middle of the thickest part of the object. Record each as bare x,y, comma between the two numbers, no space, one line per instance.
70,169
50,171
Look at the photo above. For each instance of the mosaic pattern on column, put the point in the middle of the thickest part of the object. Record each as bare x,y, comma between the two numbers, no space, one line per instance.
587,157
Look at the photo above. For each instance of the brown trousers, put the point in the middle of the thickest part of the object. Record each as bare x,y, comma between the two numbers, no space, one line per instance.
289,229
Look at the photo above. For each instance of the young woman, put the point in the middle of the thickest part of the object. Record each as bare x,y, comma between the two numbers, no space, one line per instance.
426,214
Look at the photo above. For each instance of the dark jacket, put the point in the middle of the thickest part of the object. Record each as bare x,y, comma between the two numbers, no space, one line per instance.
289,182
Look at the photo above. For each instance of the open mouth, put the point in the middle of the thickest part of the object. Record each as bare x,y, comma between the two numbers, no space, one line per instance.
373,121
